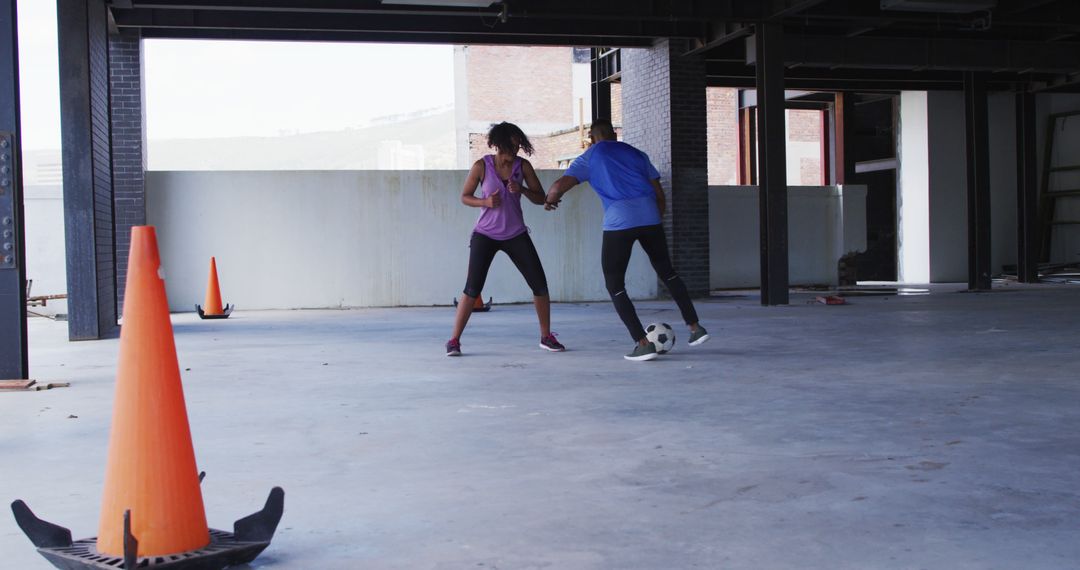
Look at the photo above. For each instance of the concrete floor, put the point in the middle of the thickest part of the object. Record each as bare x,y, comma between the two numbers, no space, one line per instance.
931,431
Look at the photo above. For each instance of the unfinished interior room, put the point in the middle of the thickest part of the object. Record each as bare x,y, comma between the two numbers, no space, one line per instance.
874,206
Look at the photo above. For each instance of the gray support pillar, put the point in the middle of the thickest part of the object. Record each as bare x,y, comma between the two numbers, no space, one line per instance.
128,151
13,347
978,180
772,163
88,196
663,96
1027,191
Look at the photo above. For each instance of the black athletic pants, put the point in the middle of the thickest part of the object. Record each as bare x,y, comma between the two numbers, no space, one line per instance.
615,257
522,252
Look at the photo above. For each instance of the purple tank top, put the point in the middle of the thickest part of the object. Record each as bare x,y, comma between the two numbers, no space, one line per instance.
505,221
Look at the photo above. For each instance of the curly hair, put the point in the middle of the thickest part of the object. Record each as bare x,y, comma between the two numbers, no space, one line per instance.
504,136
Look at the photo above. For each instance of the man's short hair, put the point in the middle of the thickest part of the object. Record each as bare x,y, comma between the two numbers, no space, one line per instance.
604,128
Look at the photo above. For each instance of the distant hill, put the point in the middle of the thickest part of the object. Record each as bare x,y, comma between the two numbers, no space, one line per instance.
421,142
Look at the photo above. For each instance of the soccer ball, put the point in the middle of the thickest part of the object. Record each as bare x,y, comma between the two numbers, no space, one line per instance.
662,337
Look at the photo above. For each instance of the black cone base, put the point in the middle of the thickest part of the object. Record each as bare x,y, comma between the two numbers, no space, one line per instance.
251,535
223,551
483,309
224,314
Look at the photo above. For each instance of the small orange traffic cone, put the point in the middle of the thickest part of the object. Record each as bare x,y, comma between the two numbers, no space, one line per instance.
213,309
152,507
151,466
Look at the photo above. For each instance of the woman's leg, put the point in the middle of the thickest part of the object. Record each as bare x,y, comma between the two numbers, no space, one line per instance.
543,314
481,252
523,253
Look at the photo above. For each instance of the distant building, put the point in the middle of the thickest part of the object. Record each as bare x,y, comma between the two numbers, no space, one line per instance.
543,90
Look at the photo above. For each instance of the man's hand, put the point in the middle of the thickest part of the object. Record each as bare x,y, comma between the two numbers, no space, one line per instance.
552,200
494,200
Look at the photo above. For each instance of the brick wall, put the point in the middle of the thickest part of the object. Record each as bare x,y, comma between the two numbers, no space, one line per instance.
128,158
804,125
523,85
723,135
616,104
663,98
104,244
809,171
804,136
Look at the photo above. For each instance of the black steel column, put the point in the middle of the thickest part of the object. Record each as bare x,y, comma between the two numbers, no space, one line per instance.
13,347
601,88
1027,191
772,164
978,181
88,197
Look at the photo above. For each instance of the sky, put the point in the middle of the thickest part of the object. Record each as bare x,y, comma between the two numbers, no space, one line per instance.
212,89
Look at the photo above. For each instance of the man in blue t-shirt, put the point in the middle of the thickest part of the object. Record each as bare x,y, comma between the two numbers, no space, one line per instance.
629,187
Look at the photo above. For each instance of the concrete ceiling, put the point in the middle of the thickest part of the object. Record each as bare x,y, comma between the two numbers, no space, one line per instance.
841,44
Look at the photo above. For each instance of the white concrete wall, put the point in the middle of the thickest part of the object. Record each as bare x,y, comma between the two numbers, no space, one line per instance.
43,206
913,191
307,239
824,223
948,184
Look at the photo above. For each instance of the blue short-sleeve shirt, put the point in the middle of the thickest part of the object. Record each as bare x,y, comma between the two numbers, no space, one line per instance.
621,176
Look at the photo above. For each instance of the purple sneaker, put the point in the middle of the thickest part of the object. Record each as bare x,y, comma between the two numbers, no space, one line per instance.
453,347
550,343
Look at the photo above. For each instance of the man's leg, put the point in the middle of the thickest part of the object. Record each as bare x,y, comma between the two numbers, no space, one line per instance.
654,243
614,259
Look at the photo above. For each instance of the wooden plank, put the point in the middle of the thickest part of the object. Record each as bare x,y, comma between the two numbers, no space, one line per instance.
29,385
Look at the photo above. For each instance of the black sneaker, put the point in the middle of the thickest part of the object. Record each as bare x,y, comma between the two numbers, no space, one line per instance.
552,344
699,336
453,347
642,352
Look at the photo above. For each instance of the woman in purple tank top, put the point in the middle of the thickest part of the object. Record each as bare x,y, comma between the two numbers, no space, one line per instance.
503,178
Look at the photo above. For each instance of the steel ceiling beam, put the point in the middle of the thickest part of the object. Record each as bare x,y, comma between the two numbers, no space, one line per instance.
571,10
386,37
523,29
733,74
926,54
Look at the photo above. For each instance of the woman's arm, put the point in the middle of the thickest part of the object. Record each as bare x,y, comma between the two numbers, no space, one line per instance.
533,190
468,193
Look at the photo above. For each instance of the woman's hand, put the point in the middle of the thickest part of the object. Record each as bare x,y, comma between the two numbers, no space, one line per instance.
551,201
513,187
495,200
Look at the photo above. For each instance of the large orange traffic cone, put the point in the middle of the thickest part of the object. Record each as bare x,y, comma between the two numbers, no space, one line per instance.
213,309
151,466
152,509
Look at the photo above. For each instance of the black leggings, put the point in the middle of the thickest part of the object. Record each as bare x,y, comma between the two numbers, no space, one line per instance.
522,252
615,258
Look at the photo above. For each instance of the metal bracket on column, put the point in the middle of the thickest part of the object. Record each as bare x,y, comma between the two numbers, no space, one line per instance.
9,258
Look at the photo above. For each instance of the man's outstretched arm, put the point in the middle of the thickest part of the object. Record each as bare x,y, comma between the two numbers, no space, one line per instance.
557,189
